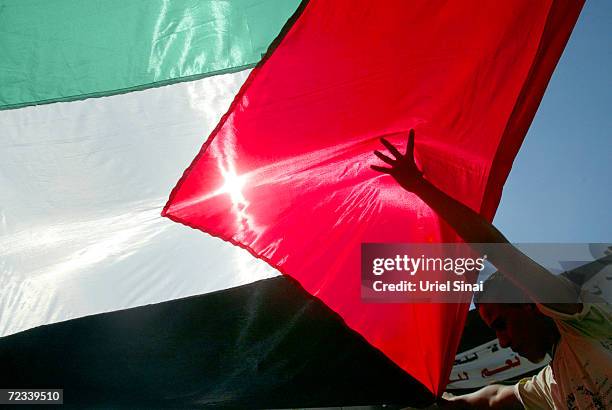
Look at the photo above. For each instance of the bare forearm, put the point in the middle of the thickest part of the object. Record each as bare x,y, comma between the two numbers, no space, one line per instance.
490,397
472,227
535,280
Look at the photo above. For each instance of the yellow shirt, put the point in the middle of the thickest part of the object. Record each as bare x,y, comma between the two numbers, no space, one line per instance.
580,374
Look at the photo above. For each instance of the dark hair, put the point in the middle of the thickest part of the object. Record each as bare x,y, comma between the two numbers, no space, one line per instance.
499,289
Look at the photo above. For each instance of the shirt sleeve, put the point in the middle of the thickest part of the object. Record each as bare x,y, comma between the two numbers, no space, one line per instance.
534,392
593,321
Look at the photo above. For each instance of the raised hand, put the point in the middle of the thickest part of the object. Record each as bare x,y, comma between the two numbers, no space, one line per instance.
535,280
403,168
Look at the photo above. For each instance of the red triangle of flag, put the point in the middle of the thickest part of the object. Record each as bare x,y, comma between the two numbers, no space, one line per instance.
287,175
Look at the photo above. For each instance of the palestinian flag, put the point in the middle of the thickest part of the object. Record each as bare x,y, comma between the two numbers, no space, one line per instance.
120,119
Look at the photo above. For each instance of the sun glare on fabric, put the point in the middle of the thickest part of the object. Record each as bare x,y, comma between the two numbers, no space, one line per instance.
233,184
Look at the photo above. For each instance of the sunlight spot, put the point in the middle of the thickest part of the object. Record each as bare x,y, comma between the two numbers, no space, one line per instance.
233,185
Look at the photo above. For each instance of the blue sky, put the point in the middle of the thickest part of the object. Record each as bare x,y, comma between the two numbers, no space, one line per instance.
559,189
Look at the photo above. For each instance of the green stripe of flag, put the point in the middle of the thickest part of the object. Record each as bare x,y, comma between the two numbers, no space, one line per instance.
71,49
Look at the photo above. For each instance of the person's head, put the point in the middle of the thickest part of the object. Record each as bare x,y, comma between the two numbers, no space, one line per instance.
517,321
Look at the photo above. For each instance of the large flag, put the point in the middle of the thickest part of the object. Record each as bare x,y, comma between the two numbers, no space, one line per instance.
284,174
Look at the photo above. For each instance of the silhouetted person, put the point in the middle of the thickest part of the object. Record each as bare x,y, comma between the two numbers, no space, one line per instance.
577,334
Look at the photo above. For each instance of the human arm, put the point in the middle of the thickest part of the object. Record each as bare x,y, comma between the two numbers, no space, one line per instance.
536,281
494,396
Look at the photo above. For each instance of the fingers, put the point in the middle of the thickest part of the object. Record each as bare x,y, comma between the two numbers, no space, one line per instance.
410,147
391,148
384,170
384,158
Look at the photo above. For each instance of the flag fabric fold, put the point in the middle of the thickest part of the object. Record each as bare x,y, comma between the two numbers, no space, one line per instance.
112,46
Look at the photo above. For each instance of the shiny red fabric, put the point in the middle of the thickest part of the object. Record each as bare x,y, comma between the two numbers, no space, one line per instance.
287,175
